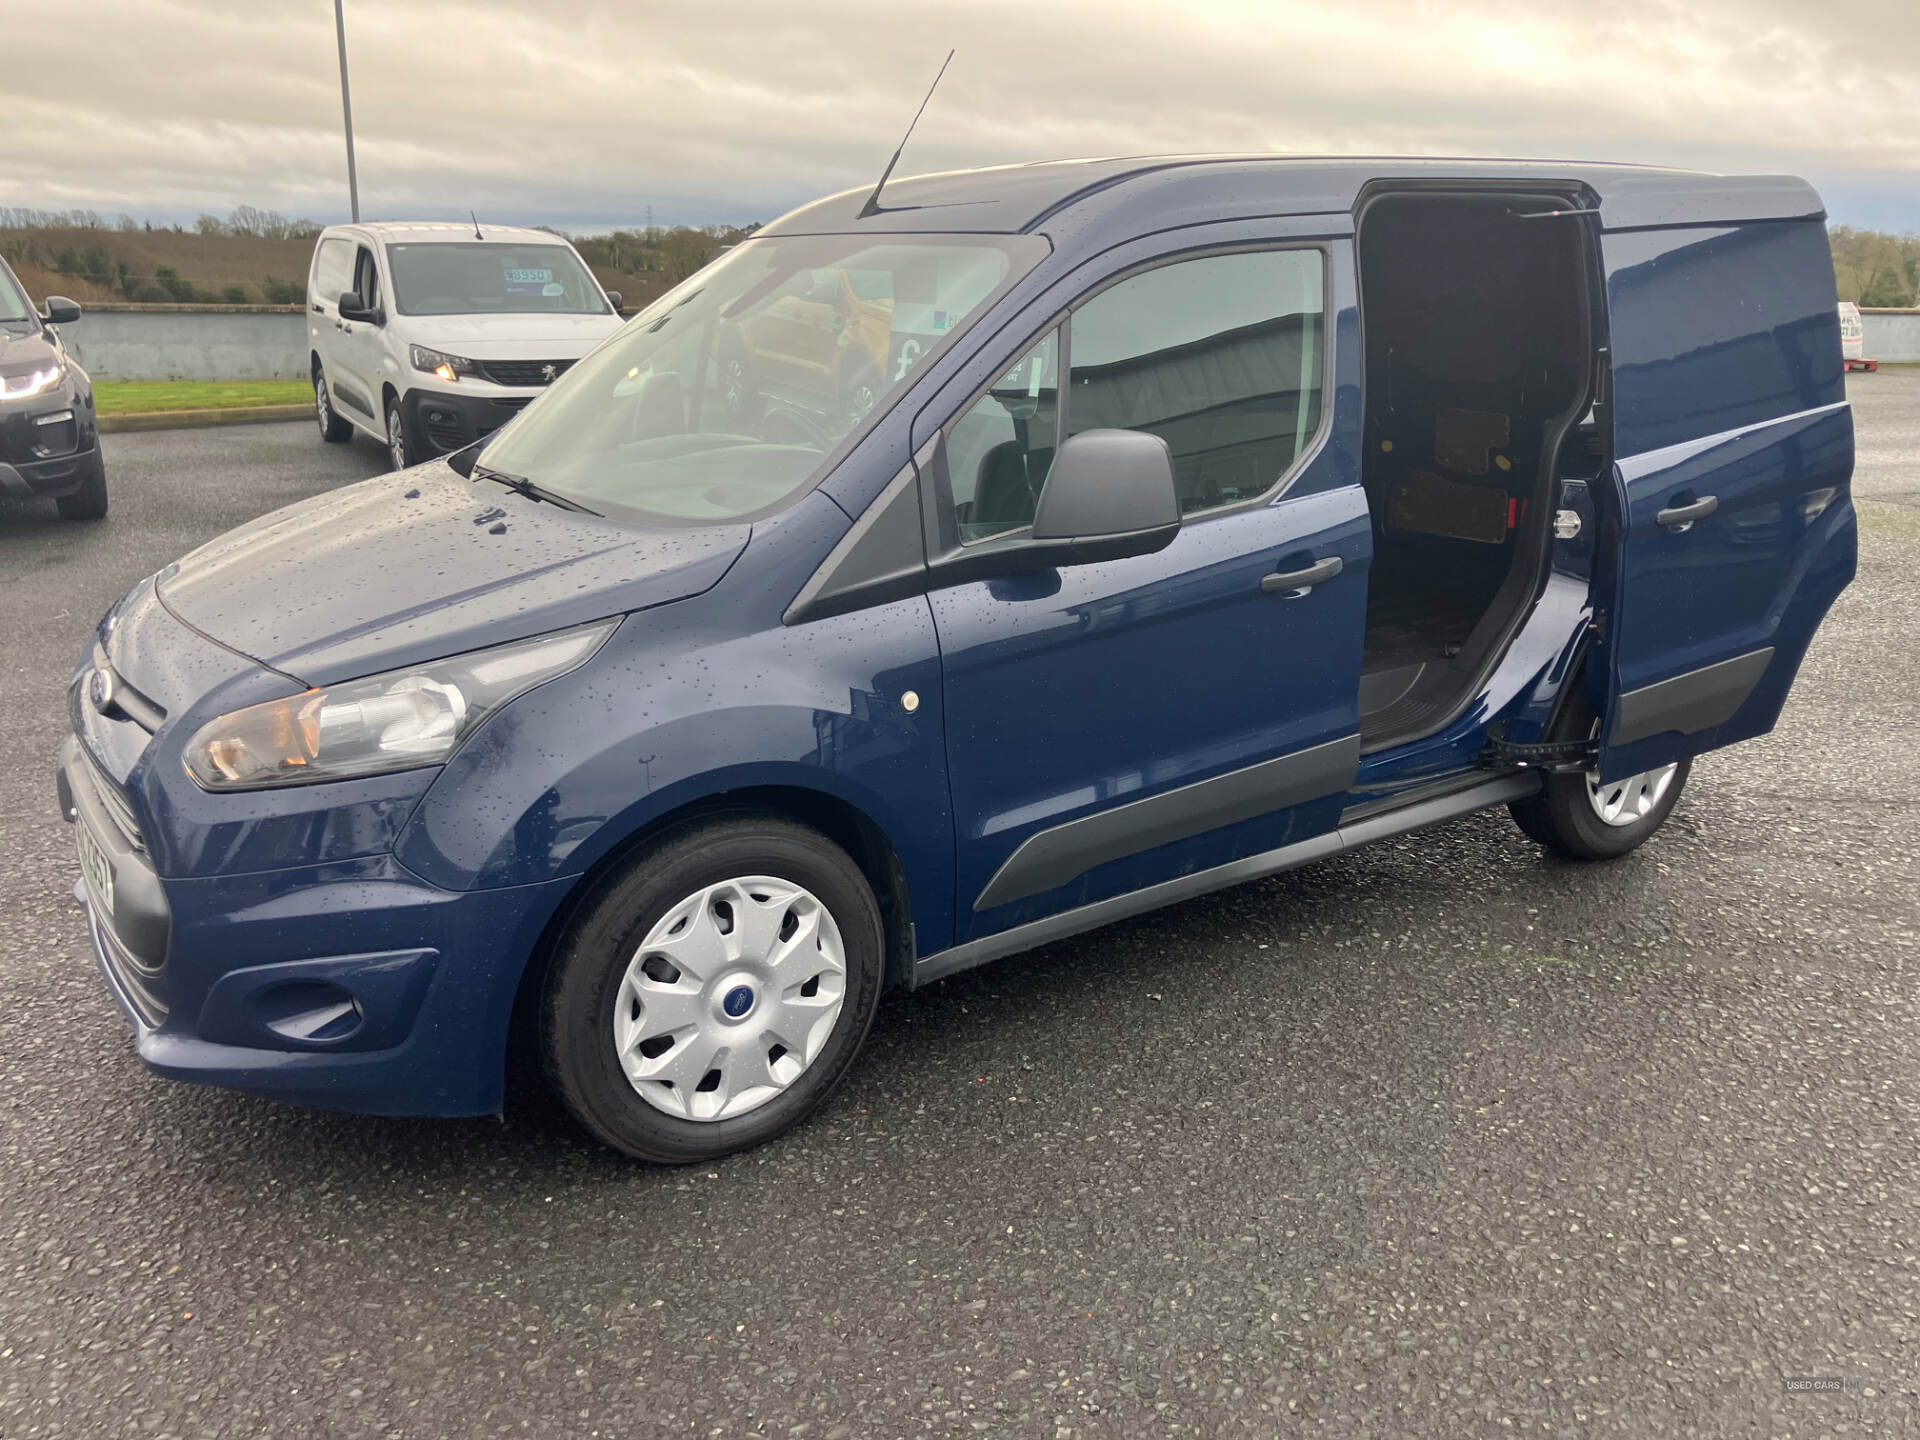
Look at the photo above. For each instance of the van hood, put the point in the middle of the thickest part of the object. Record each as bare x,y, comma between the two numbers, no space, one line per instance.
422,564
568,336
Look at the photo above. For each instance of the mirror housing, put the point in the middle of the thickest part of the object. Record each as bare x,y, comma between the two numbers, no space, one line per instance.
351,309
613,299
61,310
1109,494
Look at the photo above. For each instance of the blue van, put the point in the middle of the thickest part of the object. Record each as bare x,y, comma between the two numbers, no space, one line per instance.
941,573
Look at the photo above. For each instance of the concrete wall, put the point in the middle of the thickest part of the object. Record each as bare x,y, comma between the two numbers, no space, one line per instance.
1891,336
190,342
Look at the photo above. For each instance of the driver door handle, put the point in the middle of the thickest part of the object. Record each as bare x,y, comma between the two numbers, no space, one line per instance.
1317,573
1684,515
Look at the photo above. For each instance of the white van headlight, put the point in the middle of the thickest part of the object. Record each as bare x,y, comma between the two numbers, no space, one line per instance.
438,362
398,721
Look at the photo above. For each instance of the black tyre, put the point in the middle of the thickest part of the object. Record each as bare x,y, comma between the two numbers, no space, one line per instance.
333,429
399,451
1578,817
714,990
89,502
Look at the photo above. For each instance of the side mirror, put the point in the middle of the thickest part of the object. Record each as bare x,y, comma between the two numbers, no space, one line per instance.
1109,494
352,309
61,310
613,299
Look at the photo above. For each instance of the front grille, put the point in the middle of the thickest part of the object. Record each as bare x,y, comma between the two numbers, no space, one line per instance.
523,372
125,973
114,801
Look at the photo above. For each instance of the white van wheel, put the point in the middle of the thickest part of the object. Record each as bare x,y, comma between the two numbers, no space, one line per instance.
397,437
333,429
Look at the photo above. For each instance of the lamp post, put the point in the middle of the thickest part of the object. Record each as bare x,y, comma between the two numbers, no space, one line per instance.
346,107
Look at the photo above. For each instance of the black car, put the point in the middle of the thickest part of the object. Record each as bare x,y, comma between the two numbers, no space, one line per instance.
48,444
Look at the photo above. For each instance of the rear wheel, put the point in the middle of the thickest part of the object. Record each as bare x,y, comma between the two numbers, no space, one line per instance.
714,991
1579,817
333,429
89,502
1582,818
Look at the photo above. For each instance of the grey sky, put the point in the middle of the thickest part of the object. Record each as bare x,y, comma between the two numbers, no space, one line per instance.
581,113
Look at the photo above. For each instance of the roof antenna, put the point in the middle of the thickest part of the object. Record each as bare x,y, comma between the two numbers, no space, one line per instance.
872,207
476,225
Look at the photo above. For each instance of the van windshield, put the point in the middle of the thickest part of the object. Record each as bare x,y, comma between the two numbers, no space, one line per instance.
732,391
472,278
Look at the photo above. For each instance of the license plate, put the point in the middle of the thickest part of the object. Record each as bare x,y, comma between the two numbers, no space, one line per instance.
96,871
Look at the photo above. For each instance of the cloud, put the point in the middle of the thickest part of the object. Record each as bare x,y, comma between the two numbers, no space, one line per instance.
583,114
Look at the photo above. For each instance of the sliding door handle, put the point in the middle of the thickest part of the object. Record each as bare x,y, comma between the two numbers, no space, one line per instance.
1681,516
1301,580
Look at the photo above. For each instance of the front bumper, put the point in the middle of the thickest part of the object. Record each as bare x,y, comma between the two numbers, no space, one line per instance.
47,446
346,986
440,422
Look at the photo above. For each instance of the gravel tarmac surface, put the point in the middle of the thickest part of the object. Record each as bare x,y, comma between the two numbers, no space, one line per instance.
1440,1137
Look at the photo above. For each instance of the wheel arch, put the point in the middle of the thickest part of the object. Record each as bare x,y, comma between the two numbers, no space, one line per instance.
839,819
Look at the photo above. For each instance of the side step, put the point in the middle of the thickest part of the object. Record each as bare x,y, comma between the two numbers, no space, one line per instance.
1378,826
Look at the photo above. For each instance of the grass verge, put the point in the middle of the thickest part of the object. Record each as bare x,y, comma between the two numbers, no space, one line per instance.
148,397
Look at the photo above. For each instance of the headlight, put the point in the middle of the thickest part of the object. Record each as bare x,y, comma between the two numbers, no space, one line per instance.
438,362
398,721
25,387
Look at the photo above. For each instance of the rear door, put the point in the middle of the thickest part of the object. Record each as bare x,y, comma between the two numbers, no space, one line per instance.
1734,451
1113,725
332,274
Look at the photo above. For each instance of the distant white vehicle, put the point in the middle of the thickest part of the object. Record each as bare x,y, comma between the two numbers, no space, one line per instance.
430,336
1853,339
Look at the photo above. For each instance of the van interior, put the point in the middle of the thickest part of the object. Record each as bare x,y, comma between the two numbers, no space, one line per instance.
1477,311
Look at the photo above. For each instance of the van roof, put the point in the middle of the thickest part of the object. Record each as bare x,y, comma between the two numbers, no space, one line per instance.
422,231
1056,195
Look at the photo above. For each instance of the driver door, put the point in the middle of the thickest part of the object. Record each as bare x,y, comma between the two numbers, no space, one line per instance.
1115,724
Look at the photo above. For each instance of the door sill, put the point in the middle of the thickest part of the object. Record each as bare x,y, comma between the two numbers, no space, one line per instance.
1370,823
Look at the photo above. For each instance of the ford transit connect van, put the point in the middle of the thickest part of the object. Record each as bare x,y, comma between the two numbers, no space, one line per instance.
1208,517
429,337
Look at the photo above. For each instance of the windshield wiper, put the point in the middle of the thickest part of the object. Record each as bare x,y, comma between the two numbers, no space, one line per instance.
529,489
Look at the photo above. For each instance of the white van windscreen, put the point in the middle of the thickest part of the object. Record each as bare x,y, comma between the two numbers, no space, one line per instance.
471,278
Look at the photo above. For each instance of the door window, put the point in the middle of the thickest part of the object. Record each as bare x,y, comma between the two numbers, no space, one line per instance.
332,271
1219,356
999,450
366,280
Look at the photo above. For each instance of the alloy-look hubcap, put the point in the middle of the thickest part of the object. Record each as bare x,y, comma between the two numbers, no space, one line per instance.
1629,800
729,999
396,441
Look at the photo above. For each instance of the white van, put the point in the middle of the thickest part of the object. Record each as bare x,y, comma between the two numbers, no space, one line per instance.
429,336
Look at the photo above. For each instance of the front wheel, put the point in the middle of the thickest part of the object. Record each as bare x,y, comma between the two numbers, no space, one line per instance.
89,502
713,992
398,451
1581,818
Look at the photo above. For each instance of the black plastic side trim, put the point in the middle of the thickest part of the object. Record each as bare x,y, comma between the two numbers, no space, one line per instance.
1052,857
882,558
1104,912
1689,703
